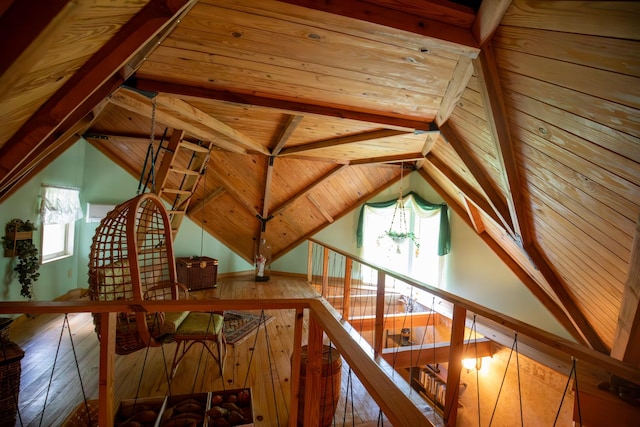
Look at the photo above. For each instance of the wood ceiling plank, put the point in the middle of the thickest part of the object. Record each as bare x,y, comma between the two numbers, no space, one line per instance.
184,109
319,206
186,92
625,344
93,75
361,10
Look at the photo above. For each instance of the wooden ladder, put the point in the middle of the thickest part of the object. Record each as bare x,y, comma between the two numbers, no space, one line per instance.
187,178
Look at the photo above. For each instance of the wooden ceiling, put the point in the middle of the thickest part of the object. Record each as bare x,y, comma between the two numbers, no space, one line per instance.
522,115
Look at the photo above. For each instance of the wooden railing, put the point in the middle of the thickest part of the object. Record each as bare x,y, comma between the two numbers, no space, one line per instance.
546,348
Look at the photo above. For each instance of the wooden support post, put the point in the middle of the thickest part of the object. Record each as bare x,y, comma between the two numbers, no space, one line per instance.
310,263
295,367
379,328
325,272
455,365
107,357
312,393
346,299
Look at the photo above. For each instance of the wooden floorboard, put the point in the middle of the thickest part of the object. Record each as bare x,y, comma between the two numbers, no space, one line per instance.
264,364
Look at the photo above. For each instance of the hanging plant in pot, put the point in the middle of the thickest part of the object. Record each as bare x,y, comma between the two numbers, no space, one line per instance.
18,242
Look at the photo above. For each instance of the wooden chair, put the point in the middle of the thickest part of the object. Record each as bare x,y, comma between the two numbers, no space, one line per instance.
132,259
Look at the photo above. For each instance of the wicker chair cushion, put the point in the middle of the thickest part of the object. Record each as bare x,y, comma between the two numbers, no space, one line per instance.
200,324
172,322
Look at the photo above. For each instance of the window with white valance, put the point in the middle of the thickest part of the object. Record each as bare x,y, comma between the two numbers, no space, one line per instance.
59,210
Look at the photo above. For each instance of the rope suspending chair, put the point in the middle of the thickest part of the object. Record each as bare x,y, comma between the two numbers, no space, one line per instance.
132,259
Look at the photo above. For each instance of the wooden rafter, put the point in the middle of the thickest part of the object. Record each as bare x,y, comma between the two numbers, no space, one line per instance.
458,83
291,107
408,157
487,72
266,200
186,111
194,209
138,103
453,38
307,189
474,215
95,75
493,195
289,127
488,18
475,198
625,343
343,140
30,34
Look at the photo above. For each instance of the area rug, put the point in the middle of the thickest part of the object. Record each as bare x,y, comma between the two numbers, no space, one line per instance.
238,325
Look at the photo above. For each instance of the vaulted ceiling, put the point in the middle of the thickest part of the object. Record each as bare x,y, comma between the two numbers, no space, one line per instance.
522,115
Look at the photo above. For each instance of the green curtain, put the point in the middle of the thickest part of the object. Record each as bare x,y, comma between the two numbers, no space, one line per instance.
444,236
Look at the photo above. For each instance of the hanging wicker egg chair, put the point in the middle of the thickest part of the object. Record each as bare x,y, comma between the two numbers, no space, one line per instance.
132,259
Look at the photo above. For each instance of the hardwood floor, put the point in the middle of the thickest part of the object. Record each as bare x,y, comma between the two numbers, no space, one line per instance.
261,362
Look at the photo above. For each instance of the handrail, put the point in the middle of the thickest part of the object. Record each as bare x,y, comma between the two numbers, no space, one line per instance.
391,394
541,339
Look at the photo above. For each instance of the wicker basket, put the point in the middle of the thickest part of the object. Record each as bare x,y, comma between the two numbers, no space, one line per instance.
79,417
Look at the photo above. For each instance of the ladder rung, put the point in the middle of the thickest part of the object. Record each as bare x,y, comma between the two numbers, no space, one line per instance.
175,191
185,171
194,147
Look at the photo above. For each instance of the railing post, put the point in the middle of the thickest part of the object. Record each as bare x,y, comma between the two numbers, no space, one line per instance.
346,299
379,326
325,272
310,263
312,386
107,357
455,365
295,368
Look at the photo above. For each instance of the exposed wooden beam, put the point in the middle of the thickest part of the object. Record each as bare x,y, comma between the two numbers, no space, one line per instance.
474,215
417,355
27,35
94,75
217,192
342,140
488,18
408,157
450,37
289,127
458,83
138,103
493,195
549,303
626,342
307,189
493,101
320,208
268,179
291,107
185,111
235,194
475,198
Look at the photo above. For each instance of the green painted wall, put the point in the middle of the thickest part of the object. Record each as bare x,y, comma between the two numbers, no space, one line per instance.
471,271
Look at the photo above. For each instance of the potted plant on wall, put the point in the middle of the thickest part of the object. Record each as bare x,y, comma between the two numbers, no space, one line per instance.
18,242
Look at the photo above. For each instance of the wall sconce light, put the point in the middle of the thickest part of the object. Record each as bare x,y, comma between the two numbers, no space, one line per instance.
471,364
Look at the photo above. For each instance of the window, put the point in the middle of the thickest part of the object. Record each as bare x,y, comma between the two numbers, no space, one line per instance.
59,210
418,258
